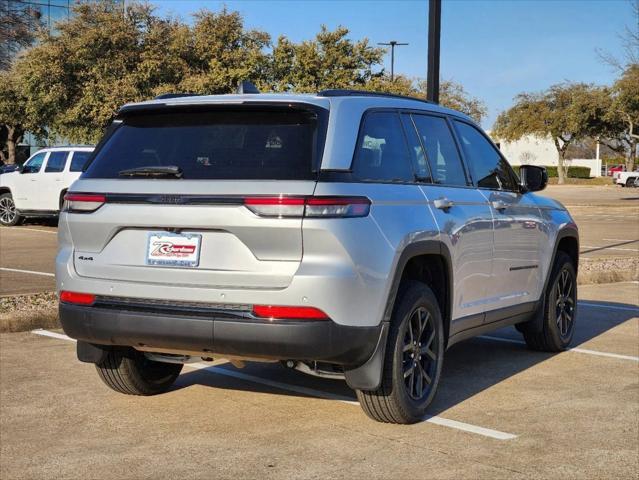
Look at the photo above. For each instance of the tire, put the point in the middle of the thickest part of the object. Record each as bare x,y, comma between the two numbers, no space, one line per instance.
398,398
630,182
8,213
129,371
560,309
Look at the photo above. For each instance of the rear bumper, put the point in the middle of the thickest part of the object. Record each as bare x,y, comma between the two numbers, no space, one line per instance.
320,340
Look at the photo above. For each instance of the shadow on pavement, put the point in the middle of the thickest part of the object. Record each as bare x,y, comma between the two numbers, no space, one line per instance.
469,367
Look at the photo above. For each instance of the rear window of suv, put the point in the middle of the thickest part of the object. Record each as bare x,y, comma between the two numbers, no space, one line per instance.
265,144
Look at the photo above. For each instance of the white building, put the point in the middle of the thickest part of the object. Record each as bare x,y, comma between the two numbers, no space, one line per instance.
532,150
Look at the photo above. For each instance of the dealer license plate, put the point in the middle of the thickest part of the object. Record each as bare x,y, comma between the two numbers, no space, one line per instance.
174,249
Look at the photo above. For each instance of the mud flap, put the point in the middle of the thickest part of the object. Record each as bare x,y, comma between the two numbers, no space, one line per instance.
369,375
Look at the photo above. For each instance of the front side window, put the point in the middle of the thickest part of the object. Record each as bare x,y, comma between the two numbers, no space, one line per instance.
489,168
56,162
382,154
78,161
441,151
34,164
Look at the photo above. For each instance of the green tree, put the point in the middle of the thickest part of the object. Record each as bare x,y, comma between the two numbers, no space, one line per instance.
330,60
224,53
16,115
565,113
622,117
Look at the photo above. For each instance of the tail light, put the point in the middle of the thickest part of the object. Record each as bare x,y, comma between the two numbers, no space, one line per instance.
288,313
82,202
77,298
312,207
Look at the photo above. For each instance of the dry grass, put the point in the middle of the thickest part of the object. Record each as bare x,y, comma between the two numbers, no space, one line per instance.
19,313
583,181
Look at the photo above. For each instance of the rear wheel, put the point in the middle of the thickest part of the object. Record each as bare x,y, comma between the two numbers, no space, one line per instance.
8,214
560,309
129,371
413,360
630,183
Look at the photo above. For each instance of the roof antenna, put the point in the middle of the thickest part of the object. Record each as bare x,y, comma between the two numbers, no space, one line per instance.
244,86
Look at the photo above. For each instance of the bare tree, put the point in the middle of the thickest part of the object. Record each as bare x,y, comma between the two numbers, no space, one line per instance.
629,37
19,24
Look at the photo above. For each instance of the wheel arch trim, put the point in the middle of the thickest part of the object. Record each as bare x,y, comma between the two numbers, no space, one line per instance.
369,375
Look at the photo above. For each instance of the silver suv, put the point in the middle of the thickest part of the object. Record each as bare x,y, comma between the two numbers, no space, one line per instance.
347,234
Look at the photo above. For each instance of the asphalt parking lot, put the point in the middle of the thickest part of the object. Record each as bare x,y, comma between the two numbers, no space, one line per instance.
501,412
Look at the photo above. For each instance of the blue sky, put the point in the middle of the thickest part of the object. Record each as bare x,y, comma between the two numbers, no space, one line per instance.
496,49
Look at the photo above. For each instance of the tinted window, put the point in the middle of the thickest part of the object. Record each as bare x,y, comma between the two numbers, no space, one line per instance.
34,164
489,169
56,162
229,144
441,151
382,153
79,160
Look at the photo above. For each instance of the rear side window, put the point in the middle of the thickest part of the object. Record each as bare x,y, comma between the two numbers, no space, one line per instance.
78,161
441,150
225,144
489,169
382,154
56,162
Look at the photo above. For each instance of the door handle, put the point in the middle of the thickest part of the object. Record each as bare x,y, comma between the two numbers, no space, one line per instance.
499,205
443,203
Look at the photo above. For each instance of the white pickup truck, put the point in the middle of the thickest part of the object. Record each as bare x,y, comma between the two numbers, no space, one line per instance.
626,179
37,189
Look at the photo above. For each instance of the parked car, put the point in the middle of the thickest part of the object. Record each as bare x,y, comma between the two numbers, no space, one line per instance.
356,245
37,189
612,169
6,168
625,179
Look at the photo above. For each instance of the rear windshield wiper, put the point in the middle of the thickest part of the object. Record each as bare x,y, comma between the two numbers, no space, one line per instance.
157,171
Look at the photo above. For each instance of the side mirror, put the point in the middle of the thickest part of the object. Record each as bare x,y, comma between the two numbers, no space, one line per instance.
532,178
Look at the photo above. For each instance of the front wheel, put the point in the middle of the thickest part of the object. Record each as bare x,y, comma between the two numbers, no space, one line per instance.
560,310
9,216
129,371
630,183
413,360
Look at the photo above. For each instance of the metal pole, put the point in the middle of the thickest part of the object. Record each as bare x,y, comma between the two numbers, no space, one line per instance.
392,61
392,44
434,34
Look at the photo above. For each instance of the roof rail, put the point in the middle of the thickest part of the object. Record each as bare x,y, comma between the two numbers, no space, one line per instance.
344,92
176,95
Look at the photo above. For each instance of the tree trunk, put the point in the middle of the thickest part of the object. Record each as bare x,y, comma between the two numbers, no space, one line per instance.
561,150
561,175
14,135
632,155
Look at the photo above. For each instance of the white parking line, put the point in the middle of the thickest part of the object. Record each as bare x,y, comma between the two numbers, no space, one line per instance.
578,350
619,240
467,427
611,307
445,422
45,274
603,247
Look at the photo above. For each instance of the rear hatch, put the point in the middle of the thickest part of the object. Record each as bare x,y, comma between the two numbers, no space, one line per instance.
176,196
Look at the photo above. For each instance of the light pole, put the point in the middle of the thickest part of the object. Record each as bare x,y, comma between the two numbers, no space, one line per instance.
392,44
434,33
